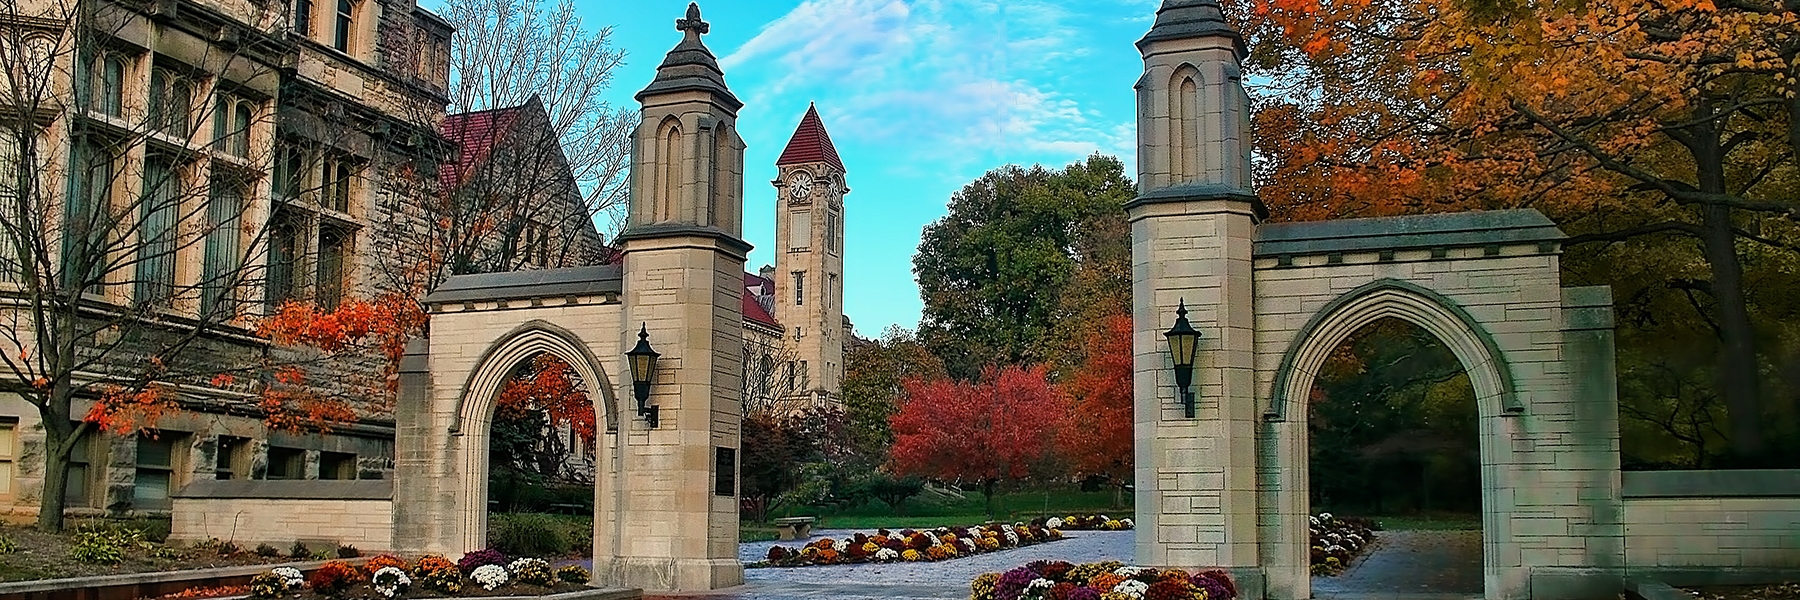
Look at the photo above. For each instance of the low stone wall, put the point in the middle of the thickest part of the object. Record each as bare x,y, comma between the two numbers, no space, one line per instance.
320,514
1704,527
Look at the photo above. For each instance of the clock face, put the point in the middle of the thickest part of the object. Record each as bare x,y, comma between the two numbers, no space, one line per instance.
800,185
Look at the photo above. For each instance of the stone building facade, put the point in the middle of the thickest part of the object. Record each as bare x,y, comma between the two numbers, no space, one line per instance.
312,124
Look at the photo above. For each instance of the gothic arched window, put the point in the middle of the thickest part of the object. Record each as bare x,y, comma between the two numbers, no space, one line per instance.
668,170
1184,125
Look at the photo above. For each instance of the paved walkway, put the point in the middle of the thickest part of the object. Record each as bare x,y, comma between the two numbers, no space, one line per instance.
1403,565
1410,565
908,581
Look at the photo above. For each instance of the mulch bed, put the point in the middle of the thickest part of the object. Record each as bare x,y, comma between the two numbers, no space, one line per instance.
46,556
1779,591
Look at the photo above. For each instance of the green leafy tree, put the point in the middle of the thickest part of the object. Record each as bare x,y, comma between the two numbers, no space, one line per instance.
994,272
874,371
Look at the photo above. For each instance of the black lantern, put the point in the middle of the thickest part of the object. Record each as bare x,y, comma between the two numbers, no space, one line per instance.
1184,345
643,369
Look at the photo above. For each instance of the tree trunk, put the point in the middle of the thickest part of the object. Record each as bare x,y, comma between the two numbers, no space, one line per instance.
57,442
1118,499
987,493
1738,380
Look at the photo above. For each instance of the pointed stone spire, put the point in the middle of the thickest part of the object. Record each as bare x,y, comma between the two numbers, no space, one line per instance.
690,65
1190,18
810,143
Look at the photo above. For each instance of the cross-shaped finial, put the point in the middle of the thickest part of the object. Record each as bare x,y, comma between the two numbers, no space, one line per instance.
692,25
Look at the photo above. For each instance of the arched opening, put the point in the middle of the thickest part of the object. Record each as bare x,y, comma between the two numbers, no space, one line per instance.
1394,477
1285,441
542,454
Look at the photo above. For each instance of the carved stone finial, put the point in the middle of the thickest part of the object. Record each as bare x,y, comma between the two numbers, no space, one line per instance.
692,25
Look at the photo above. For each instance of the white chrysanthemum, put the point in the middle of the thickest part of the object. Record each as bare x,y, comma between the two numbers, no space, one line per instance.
967,544
1006,527
933,537
290,577
1127,522
943,530
390,581
1128,571
525,563
489,576
1333,548
840,546
1315,521
1054,523
1325,516
1131,587
1012,539
1105,518
886,554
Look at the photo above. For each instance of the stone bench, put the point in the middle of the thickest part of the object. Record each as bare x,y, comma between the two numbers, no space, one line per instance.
794,528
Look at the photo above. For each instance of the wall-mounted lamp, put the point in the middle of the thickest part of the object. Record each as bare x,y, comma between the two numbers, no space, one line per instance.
643,369
1184,345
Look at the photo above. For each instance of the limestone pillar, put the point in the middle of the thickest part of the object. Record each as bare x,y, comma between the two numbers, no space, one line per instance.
1191,226
683,284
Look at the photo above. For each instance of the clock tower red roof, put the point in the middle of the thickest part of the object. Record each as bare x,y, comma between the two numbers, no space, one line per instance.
811,143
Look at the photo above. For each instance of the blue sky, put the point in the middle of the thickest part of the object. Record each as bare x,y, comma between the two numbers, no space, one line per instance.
920,96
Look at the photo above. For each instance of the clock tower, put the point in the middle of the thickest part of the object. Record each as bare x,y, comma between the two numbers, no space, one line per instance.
809,265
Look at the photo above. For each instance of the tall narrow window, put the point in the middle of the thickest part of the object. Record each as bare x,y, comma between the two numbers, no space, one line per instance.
76,492
805,382
156,243
789,383
171,102
334,259
339,174
668,169
224,242
11,227
85,217
290,172
9,453
831,231
303,10
231,125
105,89
346,24
799,288
285,248
1185,127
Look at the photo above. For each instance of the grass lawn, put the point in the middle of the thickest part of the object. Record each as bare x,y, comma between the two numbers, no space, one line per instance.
929,510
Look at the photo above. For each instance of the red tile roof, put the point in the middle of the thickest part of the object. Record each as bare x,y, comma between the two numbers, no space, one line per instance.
753,312
810,143
475,135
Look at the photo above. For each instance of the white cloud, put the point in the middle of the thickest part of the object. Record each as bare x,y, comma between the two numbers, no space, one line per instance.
963,82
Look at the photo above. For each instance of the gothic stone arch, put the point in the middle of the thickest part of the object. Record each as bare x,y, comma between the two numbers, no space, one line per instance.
1485,284
484,327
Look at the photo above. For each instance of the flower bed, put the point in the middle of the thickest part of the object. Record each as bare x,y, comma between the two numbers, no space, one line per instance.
1046,580
907,545
1087,522
1335,541
480,573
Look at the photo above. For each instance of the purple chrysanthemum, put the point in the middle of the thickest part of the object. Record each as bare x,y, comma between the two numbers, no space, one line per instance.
1013,583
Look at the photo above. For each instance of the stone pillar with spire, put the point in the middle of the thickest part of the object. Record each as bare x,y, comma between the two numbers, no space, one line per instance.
683,287
1191,227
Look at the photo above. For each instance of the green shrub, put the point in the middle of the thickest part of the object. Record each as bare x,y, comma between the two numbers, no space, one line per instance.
300,551
151,528
267,551
527,534
346,551
104,546
7,545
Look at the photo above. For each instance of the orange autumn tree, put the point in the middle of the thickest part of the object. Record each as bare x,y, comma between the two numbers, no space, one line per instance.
545,395
1669,120
1000,429
1098,437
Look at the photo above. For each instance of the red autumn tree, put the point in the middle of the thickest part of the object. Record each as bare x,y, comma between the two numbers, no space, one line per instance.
1097,438
992,431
